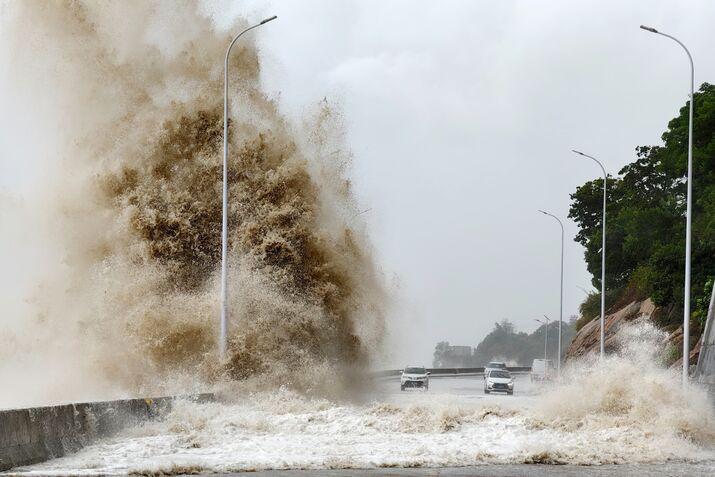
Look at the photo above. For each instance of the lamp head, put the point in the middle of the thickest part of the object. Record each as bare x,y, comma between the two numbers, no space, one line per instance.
268,20
578,152
650,29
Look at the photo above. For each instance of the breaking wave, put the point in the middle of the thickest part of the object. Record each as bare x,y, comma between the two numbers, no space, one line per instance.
132,307
627,410
131,304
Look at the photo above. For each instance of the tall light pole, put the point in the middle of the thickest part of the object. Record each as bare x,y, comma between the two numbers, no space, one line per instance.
546,336
561,302
358,214
688,210
583,290
223,333
603,252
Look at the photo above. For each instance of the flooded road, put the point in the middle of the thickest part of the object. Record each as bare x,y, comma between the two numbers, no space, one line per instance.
453,427
665,470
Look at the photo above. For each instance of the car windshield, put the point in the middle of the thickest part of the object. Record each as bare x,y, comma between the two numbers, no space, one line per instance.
495,364
499,374
415,371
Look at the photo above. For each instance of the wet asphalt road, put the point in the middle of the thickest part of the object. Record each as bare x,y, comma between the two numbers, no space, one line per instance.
661,470
471,387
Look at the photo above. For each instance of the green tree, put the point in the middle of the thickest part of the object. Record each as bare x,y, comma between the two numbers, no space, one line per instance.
645,249
701,306
504,342
440,353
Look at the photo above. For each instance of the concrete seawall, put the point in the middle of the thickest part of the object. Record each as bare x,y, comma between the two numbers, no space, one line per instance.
32,435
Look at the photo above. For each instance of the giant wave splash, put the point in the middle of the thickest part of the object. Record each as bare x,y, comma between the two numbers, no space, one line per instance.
129,303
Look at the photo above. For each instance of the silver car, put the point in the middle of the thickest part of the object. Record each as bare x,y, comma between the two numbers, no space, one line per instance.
494,365
414,377
498,380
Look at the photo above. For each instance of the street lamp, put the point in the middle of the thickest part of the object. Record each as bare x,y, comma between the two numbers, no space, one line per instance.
561,303
603,252
358,214
583,289
688,212
546,337
224,227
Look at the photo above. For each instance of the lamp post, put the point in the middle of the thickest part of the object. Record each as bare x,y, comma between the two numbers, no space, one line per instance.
582,289
688,211
223,333
546,336
359,214
561,302
603,252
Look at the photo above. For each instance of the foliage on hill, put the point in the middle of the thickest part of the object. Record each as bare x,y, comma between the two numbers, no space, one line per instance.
504,343
645,249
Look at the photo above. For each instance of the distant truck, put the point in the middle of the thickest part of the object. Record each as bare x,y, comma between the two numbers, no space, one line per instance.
542,370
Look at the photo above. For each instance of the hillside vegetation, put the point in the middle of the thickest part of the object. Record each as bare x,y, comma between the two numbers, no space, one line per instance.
645,240
504,343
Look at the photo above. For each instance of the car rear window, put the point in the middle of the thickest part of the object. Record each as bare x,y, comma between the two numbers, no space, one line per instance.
499,374
415,371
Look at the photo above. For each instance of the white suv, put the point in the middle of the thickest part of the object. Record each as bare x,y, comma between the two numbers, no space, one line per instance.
414,377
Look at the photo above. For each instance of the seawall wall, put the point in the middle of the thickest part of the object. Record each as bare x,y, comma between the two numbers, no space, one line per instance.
32,435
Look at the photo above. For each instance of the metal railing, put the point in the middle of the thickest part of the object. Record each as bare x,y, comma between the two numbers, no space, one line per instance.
451,371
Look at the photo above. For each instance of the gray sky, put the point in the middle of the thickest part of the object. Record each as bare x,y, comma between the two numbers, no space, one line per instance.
461,116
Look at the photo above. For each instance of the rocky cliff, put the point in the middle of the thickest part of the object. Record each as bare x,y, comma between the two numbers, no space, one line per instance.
587,339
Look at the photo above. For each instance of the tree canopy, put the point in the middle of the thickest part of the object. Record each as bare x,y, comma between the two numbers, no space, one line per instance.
645,239
504,343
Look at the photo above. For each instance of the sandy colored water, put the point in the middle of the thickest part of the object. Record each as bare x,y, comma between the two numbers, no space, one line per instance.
452,425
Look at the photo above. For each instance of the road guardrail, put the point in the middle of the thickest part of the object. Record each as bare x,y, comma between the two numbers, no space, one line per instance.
451,371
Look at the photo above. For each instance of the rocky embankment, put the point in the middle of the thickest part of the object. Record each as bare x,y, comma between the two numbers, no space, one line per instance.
587,339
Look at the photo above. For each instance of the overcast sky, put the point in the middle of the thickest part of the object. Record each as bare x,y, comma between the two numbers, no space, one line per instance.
461,116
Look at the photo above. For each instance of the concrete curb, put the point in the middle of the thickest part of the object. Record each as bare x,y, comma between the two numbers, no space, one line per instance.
29,436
